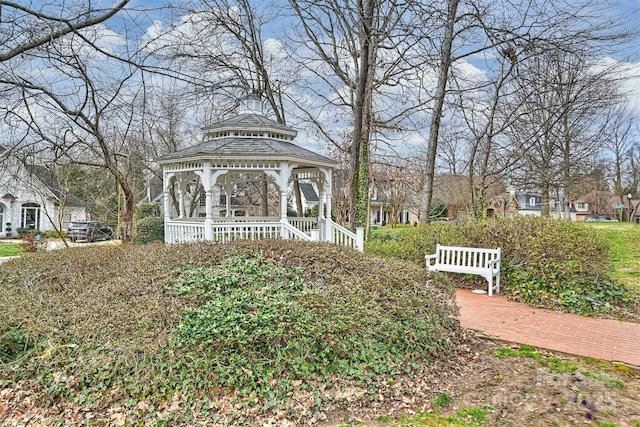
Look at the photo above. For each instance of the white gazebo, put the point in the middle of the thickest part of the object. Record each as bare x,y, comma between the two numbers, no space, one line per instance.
246,147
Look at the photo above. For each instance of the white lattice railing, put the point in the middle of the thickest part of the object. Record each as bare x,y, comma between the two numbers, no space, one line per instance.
234,219
229,231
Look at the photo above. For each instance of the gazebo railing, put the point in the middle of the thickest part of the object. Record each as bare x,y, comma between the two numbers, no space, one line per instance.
344,237
244,230
234,219
304,224
291,232
183,230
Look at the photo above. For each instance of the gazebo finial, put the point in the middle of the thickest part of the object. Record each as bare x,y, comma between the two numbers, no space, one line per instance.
252,104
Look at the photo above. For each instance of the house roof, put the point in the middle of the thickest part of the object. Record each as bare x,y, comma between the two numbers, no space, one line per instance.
309,192
49,179
523,201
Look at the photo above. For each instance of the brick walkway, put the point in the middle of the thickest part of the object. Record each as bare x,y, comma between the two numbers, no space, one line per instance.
567,333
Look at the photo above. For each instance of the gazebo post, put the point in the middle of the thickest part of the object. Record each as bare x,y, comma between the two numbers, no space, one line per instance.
285,174
328,221
166,181
208,201
180,199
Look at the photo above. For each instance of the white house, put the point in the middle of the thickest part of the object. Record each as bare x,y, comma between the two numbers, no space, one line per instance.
308,197
31,197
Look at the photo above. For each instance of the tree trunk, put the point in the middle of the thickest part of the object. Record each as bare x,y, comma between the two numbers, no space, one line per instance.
443,76
298,196
264,193
361,132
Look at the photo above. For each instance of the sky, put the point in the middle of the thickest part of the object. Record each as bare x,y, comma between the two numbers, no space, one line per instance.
144,15
625,11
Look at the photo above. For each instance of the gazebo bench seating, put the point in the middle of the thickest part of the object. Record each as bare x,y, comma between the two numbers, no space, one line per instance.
477,261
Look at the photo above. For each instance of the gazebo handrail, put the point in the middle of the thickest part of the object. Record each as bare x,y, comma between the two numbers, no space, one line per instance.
234,219
293,231
344,237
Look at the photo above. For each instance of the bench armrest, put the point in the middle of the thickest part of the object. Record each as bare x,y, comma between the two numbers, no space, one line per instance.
428,259
494,264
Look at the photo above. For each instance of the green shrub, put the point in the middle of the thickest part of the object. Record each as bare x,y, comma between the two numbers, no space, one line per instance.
263,324
251,322
149,229
22,232
146,210
546,262
51,234
14,344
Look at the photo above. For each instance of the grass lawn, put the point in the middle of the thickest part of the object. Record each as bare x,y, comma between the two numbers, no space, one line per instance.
625,251
10,249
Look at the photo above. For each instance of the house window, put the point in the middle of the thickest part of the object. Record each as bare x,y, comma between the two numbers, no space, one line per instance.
30,216
581,205
2,224
532,202
552,204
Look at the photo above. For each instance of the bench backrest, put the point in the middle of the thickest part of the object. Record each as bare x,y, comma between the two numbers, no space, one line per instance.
466,257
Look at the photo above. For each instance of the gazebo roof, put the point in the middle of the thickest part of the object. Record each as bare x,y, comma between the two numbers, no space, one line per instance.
260,148
250,122
249,136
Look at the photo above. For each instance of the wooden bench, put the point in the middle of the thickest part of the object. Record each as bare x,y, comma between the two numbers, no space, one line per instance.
477,261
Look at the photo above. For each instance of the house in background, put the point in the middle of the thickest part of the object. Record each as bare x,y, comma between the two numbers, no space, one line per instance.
580,210
31,197
308,196
381,210
529,204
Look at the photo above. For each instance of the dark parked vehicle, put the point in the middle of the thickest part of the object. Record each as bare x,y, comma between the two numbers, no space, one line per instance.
89,231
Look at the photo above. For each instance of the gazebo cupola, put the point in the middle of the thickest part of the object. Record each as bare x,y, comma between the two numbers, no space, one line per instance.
248,146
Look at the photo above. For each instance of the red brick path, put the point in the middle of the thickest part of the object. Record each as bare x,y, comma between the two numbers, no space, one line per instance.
568,333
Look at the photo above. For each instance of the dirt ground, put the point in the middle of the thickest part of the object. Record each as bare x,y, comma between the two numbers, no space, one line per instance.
525,387
536,388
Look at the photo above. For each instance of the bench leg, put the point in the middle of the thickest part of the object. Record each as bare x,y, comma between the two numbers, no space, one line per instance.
498,283
490,280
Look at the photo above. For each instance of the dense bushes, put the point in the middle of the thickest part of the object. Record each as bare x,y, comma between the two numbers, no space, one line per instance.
247,324
148,226
148,230
279,328
546,262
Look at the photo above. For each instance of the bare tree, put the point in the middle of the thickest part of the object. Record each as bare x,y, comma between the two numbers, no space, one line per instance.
517,30
28,27
397,181
239,63
565,116
358,51
446,59
80,112
617,140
